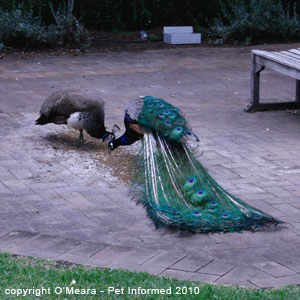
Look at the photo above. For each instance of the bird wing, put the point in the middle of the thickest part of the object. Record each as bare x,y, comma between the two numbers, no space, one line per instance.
164,118
138,128
66,102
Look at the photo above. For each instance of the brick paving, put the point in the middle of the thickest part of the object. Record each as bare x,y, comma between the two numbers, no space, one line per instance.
58,208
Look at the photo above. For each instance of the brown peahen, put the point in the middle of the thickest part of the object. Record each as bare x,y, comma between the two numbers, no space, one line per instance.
78,110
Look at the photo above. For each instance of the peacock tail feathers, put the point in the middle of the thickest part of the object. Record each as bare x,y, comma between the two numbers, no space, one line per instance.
177,191
164,118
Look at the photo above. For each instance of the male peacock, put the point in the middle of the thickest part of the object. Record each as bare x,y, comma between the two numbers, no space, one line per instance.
76,109
171,183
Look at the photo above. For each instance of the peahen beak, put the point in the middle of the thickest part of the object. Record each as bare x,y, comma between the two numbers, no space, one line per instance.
105,136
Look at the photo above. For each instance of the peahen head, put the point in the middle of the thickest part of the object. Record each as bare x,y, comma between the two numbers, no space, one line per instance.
106,135
112,136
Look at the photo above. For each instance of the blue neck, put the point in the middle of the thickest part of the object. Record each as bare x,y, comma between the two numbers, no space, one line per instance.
129,137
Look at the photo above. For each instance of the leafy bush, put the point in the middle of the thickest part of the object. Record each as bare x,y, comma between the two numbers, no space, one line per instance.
67,26
20,28
256,21
115,15
31,23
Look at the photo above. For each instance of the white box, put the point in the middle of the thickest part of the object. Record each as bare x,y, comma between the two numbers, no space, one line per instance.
181,35
178,29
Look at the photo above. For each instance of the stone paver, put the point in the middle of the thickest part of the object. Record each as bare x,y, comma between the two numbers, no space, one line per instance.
217,267
192,264
56,202
274,269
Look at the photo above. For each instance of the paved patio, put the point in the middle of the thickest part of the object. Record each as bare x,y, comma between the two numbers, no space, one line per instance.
56,203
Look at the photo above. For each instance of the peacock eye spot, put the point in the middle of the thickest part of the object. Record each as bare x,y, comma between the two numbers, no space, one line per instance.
200,192
150,105
225,216
213,204
196,212
191,180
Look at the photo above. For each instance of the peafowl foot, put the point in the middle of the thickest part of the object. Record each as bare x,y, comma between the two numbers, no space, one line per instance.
80,139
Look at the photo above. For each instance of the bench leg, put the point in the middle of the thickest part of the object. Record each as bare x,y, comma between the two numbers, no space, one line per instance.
254,96
297,90
283,105
254,93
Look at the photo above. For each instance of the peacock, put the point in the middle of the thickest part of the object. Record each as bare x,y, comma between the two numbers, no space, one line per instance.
171,183
78,110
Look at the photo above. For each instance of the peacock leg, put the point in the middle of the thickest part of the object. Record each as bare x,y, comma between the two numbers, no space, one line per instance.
80,139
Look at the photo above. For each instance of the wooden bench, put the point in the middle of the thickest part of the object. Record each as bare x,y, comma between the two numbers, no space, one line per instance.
285,62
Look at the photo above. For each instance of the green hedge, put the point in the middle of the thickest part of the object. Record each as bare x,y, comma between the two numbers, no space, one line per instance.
257,21
31,23
21,27
127,14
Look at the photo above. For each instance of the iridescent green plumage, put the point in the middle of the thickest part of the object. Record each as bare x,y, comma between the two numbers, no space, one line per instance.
173,185
164,118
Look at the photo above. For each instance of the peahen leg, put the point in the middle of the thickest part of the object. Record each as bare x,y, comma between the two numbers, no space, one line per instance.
80,139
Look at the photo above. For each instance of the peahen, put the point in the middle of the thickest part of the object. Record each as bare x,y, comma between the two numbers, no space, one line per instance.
171,183
76,109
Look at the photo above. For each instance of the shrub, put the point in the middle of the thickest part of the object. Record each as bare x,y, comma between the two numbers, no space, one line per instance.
256,21
67,28
20,28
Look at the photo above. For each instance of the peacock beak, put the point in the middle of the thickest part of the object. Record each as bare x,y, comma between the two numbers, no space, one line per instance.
110,147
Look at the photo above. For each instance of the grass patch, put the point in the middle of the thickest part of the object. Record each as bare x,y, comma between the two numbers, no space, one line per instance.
28,273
